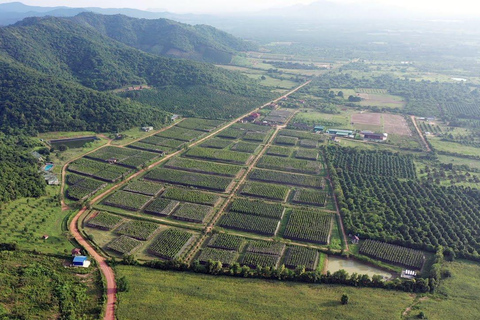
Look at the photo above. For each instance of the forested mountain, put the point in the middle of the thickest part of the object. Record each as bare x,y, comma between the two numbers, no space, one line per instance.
167,37
52,69
20,177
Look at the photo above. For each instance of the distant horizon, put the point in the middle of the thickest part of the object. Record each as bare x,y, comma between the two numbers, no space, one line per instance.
429,7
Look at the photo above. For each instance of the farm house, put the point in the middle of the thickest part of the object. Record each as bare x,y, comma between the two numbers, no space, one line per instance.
81,261
340,132
375,136
318,128
147,129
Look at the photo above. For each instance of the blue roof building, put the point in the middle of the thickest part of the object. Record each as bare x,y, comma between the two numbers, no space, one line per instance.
81,261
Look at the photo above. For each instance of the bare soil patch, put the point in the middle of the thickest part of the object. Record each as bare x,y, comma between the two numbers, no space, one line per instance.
374,119
395,124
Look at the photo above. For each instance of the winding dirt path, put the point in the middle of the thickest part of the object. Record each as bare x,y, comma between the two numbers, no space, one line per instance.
425,144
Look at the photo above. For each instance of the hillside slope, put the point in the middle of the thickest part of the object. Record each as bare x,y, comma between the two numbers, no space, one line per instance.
167,37
52,69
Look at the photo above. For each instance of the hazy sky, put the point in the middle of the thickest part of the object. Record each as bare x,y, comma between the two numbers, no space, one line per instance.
215,6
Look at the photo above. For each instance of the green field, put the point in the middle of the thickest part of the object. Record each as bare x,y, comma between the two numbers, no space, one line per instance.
209,297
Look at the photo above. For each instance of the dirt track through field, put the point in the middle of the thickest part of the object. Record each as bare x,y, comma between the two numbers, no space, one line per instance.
108,273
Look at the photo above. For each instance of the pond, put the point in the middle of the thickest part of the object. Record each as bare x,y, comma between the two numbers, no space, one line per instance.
351,266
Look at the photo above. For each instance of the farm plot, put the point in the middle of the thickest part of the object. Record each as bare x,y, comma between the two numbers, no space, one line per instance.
309,225
226,241
301,135
255,136
127,200
164,142
189,179
250,127
263,190
170,243
205,125
192,212
231,133
307,154
218,155
390,253
279,151
141,230
144,187
104,221
161,206
284,140
278,116
373,119
266,247
287,178
81,188
250,223
216,143
179,134
290,165
203,167
137,160
110,152
124,245
257,208
307,143
242,146
395,124
149,147
301,256
257,259
96,169
310,196
193,196
371,90
226,257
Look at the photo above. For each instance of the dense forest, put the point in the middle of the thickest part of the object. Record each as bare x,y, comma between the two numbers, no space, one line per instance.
167,37
52,72
19,170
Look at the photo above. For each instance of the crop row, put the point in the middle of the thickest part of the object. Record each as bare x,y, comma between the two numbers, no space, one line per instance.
250,223
193,196
110,152
216,143
301,256
144,187
141,230
124,244
149,147
101,170
308,225
287,178
189,179
81,187
409,258
246,147
178,133
264,190
104,221
218,155
170,243
226,257
301,134
309,196
203,167
307,143
279,151
162,206
308,154
192,212
226,242
255,136
258,208
289,141
127,200
266,247
257,259
290,165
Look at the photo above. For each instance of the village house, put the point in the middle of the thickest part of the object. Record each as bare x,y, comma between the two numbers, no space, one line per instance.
147,129
81,261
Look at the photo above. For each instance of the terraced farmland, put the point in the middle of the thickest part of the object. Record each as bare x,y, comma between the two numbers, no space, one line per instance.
258,208
144,187
226,257
192,212
309,226
189,179
264,190
250,223
161,206
124,245
226,242
290,165
193,196
104,221
310,196
203,167
127,200
218,155
301,256
170,243
141,230
287,178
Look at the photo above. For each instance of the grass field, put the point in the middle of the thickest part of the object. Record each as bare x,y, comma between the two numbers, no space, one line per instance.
156,294
447,146
208,297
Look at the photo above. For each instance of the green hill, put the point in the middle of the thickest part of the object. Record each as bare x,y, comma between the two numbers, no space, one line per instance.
58,75
167,37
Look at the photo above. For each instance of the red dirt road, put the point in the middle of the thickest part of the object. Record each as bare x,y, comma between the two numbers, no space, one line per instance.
102,263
